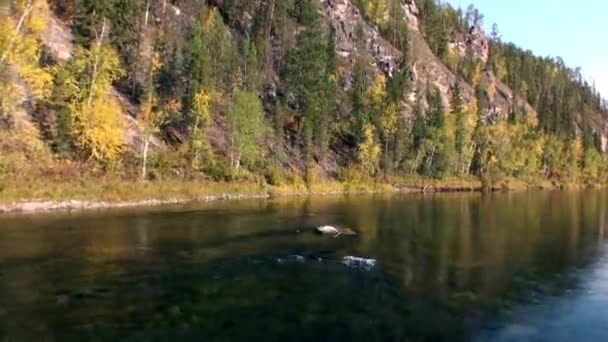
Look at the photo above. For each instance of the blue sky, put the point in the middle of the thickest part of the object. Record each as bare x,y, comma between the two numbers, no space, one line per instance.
575,30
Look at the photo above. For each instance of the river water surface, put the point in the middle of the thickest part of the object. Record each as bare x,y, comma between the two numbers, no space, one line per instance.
503,267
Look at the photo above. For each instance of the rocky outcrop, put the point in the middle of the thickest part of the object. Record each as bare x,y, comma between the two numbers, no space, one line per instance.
411,14
428,69
345,17
58,40
471,43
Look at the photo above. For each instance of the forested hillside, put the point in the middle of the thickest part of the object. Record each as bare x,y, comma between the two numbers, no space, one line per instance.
283,93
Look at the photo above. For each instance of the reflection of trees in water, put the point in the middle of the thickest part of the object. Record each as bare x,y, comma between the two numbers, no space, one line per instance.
477,244
451,248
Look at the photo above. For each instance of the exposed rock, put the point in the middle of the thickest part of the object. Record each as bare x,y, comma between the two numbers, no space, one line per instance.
411,14
58,40
473,43
428,67
344,16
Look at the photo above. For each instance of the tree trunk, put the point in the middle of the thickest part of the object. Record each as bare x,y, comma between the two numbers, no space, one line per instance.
268,47
467,170
232,161
416,163
147,14
95,65
146,145
430,160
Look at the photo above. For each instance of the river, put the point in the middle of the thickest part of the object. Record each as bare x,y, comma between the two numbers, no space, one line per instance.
450,267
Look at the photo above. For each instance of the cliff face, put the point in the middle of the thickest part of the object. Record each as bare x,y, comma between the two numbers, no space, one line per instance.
344,16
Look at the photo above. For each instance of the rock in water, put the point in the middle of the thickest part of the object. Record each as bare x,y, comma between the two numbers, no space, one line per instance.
335,231
327,230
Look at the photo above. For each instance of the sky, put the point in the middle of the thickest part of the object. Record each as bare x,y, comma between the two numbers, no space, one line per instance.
577,30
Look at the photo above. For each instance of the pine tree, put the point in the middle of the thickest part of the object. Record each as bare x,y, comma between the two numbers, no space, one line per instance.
460,119
360,84
307,73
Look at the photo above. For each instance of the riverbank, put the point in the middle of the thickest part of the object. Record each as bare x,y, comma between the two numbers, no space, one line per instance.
106,193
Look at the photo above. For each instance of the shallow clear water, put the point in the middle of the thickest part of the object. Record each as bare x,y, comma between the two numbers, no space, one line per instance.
506,267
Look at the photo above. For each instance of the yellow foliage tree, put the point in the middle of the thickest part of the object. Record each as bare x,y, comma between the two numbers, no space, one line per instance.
375,95
20,48
202,115
369,150
86,85
451,59
100,129
518,149
389,122
377,11
469,145
8,100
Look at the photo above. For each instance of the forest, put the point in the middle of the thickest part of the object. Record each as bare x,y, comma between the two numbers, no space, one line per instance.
253,92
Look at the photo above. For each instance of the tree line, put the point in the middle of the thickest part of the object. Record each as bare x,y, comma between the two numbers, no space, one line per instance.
203,88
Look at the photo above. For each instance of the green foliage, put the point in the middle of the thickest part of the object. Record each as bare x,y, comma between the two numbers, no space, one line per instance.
310,73
247,128
213,78
125,20
210,56
436,23
83,95
202,119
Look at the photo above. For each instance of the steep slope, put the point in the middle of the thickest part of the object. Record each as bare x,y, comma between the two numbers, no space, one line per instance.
59,46
344,16
170,26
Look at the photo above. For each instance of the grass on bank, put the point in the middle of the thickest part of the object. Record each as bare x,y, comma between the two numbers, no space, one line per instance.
28,179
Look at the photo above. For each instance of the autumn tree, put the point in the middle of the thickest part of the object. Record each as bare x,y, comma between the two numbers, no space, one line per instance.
85,89
200,123
20,47
369,151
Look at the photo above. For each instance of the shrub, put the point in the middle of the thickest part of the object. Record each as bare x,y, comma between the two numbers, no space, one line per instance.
274,175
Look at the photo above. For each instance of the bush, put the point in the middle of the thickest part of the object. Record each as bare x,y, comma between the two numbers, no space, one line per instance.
274,175
164,165
351,175
219,171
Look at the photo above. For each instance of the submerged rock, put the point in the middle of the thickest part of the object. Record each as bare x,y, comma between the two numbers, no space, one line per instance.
365,263
335,231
